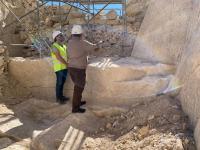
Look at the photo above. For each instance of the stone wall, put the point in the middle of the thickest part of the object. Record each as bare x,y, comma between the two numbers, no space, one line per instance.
110,81
170,34
188,72
163,34
13,33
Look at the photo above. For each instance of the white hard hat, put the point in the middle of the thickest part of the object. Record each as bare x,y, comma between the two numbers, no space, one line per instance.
55,34
77,29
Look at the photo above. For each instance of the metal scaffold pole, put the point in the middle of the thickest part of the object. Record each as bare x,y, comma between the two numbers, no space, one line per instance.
38,15
124,22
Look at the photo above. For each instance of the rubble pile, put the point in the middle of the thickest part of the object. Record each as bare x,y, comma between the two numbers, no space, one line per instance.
157,124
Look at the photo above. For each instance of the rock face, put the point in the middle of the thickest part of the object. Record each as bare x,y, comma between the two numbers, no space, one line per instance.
188,72
37,76
108,79
173,37
126,78
163,38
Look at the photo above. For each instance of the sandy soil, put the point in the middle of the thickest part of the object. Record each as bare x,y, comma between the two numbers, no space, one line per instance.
158,124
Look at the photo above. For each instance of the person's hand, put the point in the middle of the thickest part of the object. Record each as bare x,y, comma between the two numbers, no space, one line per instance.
100,42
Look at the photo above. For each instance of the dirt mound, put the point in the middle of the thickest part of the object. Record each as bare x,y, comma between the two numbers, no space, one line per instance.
157,124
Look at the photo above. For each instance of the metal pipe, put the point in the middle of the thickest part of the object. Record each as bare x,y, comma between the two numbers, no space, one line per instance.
100,11
38,14
124,17
67,16
84,6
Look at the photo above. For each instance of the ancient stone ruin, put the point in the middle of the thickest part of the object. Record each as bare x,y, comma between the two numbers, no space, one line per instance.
142,86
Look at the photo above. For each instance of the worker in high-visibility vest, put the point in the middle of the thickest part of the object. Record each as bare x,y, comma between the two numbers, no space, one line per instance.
59,57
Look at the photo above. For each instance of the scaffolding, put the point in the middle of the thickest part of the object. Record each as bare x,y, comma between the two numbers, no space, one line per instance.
85,6
82,5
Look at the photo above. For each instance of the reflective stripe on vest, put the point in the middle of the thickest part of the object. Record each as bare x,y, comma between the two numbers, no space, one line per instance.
63,53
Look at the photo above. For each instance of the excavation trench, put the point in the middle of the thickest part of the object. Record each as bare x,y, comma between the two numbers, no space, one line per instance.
122,110
157,123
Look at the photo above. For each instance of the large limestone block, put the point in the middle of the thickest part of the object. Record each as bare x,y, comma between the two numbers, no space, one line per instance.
188,70
190,94
121,69
83,122
40,70
162,36
145,87
124,78
37,76
107,78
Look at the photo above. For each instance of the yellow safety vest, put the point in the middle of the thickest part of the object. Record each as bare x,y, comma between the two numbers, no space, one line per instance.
63,53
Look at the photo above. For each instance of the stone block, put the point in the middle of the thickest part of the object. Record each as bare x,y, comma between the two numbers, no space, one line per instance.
106,77
162,38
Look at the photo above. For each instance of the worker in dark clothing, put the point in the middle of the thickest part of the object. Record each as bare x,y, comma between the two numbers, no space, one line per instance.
59,57
77,52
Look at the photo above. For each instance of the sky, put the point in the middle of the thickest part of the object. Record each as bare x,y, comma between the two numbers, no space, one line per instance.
117,7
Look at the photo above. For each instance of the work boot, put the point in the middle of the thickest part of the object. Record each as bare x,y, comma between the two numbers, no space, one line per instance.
79,110
62,102
64,98
83,103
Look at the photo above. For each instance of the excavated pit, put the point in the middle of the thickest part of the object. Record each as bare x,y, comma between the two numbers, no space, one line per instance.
158,123
132,119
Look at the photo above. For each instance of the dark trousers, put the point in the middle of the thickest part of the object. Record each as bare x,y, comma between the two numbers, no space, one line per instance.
60,81
78,77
